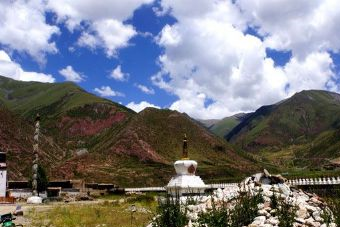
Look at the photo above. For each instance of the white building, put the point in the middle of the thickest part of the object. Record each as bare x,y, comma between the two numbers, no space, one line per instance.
3,174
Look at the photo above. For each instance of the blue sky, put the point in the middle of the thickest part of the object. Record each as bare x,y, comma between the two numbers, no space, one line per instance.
208,58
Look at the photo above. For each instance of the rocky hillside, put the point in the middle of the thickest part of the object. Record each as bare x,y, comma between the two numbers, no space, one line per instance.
16,138
151,141
99,140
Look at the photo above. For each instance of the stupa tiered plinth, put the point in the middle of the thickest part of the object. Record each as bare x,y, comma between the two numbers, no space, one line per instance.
185,181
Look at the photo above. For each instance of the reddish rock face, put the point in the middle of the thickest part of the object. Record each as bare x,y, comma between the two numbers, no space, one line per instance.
87,126
132,145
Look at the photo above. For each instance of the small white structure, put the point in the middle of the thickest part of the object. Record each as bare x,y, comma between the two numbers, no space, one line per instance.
185,181
34,200
3,174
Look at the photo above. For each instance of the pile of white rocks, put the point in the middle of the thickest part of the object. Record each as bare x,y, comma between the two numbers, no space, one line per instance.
309,207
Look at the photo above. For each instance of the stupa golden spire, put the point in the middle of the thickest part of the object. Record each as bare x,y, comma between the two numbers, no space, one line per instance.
185,148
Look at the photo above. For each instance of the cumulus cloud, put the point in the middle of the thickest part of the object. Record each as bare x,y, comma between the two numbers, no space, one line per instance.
24,28
104,21
106,91
11,69
137,107
117,74
71,75
108,34
145,89
301,26
216,69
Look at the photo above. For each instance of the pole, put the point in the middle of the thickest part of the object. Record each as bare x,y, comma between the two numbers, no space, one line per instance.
36,156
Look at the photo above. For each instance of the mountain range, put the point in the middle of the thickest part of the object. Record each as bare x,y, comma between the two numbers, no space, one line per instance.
301,131
87,137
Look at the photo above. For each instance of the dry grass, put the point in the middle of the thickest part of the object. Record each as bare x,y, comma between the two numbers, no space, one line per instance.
106,214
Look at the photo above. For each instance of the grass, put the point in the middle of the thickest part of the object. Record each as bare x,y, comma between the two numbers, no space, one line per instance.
224,126
110,213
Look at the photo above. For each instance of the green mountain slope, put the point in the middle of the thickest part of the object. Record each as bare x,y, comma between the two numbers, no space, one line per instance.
99,140
224,126
297,120
152,140
69,114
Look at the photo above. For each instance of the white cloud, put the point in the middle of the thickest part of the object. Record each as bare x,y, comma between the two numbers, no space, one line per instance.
23,28
145,89
301,26
71,75
137,107
10,69
108,34
106,91
215,69
104,21
117,74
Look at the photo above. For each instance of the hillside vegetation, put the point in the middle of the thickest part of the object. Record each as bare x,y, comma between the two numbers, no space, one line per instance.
299,132
98,140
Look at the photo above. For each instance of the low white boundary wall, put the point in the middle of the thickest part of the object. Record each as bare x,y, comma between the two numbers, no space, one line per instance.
295,182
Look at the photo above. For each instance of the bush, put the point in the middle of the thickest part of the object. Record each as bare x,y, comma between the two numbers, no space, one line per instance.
286,214
245,209
243,213
216,217
274,201
334,206
170,213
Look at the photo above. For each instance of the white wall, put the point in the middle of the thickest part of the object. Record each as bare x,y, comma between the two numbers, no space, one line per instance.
3,183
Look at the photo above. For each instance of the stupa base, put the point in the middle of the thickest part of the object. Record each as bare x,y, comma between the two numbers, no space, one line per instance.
34,200
185,184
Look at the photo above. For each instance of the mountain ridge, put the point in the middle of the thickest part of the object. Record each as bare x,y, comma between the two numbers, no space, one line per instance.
100,140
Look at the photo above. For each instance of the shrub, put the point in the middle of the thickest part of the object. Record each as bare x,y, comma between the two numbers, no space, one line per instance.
216,217
286,214
245,209
334,206
274,201
243,213
170,213
327,216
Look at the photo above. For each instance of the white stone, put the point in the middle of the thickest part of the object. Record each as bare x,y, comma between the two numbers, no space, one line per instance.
284,189
262,212
34,200
259,220
302,213
300,220
311,208
266,225
260,206
273,221
268,193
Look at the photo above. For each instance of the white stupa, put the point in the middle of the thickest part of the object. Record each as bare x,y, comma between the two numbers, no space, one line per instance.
185,181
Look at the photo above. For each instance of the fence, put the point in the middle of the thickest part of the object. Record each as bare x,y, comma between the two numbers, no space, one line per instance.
315,181
294,182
